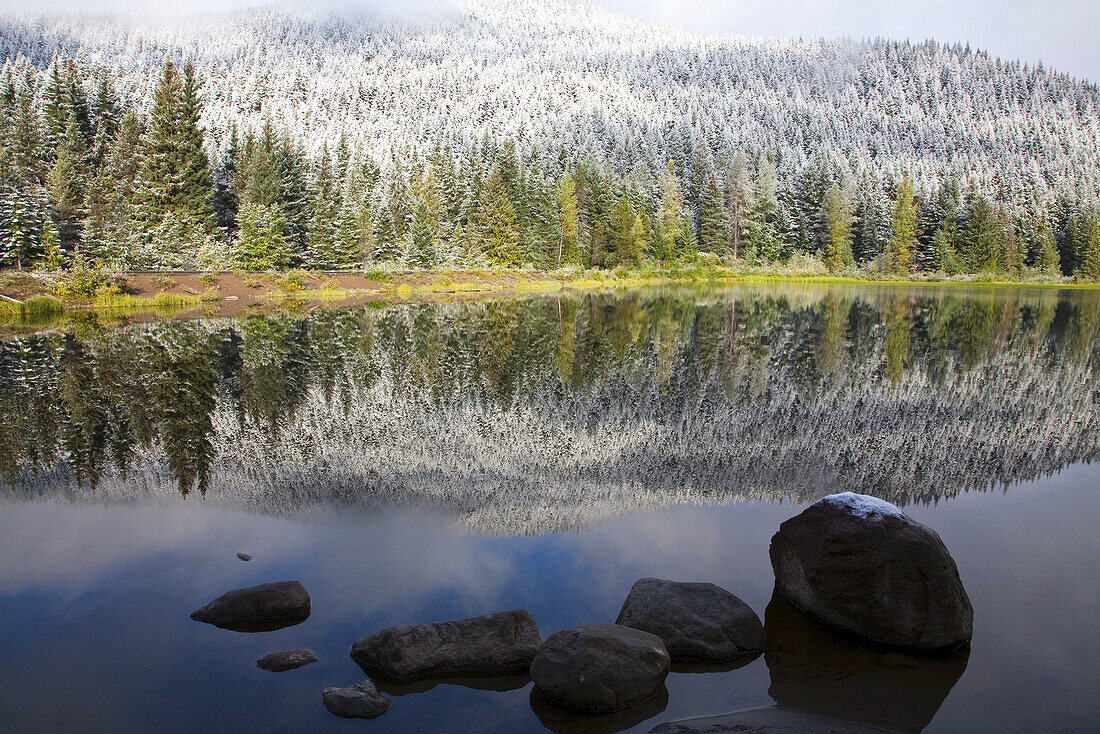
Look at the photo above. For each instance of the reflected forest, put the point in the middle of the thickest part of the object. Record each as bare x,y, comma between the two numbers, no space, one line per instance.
549,413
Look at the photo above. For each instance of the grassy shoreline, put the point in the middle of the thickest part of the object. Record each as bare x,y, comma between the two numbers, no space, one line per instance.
36,296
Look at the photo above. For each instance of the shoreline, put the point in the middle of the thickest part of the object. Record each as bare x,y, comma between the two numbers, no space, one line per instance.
30,299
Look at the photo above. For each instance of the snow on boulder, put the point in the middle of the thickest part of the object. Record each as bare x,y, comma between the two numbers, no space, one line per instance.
865,567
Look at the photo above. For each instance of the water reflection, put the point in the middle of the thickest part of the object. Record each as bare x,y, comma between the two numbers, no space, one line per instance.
818,669
563,721
553,412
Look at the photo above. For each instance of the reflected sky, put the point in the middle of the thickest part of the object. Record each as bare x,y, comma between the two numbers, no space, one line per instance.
95,601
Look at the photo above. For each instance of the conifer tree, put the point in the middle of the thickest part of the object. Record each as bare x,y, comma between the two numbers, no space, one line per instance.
261,240
174,176
903,225
837,217
738,201
67,187
981,242
496,223
623,242
1088,247
1045,256
567,221
713,222
324,211
671,232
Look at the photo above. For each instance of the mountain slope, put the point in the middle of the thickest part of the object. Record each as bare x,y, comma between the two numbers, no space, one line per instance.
559,74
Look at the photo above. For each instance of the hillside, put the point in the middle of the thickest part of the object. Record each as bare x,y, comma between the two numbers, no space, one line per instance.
595,82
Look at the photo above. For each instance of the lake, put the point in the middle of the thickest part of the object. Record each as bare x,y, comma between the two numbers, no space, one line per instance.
416,463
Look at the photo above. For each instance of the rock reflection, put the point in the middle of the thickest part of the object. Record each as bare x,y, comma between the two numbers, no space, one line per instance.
484,683
551,413
563,721
818,669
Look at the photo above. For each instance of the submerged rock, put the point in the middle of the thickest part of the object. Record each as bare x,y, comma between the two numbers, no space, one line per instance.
698,622
257,608
769,720
490,645
361,701
277,662
601,668
863,566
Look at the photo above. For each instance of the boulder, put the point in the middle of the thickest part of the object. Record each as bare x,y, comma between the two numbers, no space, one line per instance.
361,701
257,608
244,556
277,662
698,622
601,668
769,720
863,566
490,645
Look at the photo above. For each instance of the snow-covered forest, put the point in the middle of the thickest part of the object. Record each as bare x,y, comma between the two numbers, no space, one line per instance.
539,132
549,413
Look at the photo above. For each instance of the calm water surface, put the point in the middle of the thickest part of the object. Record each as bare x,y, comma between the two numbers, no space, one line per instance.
419,463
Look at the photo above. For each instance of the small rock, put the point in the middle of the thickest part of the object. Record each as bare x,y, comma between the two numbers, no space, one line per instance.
257,608
601,668
244,556
698,622
489,645
863,566
361,701
277,662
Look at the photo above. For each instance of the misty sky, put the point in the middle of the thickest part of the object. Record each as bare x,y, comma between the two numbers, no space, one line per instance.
1060,32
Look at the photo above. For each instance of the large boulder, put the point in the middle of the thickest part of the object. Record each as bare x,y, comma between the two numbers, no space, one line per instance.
863,566
601,668
361,701
257,608
278,662
502,643
698,622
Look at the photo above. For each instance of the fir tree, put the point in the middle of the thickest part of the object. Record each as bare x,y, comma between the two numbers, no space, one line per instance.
903,224
837,217
567,221
1045,256
1088,247
981,241
261,241
713,222
496,223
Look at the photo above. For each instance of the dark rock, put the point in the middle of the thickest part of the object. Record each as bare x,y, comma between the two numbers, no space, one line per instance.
698,622
257,608
863,566
277,662
561,720
601,668
769,720
244,556
490,645
361,701
818,668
